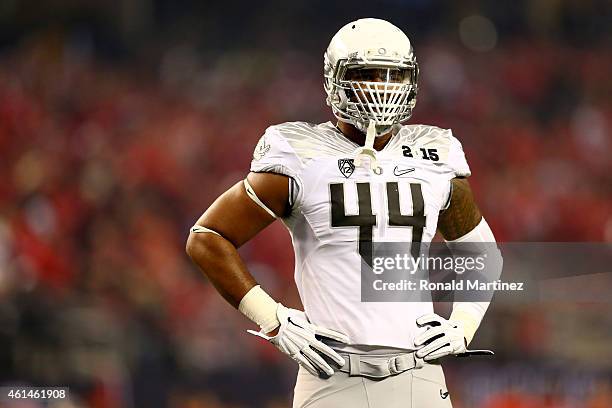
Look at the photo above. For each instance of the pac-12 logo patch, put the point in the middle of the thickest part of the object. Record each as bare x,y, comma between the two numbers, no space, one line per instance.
346,166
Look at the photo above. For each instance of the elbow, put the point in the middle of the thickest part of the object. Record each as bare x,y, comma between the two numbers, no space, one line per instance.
190,245
199,246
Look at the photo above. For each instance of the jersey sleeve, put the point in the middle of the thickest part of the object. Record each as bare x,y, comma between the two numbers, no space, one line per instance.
456,158
273,154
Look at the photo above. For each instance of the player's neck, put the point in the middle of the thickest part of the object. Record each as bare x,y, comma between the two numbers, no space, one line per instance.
355,135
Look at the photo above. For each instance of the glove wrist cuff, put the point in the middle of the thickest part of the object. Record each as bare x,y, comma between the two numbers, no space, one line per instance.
469,323
260,308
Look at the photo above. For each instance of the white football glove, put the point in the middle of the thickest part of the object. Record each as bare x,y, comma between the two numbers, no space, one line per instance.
300,340
442,338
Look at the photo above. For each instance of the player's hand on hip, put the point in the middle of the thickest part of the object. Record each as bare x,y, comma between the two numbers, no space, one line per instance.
442,337
300,340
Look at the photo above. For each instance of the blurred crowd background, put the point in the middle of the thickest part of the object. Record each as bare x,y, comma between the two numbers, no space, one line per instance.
120,122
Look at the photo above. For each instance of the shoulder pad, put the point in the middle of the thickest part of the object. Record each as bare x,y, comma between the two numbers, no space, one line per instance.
308,140
274,154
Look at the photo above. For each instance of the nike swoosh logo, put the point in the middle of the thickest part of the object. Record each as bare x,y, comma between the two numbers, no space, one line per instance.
400,172
293,323
443,395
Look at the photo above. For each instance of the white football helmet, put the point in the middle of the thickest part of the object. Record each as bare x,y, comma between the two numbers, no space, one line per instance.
371,75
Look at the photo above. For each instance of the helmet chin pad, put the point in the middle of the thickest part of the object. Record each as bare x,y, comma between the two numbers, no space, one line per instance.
380,129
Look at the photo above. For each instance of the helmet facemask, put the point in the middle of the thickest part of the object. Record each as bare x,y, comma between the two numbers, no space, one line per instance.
380,91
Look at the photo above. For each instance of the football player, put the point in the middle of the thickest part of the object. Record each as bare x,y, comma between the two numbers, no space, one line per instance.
338,188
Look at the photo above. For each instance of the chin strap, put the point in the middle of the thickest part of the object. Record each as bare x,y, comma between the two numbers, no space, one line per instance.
367,153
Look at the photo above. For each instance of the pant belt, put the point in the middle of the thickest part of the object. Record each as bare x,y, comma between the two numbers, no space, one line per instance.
373,366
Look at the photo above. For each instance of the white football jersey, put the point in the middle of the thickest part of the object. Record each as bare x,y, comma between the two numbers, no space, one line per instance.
339,209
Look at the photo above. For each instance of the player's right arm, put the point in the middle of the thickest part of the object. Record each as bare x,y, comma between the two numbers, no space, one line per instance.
233,219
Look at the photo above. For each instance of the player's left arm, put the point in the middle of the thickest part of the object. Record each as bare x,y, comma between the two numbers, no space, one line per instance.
463,227
462,215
